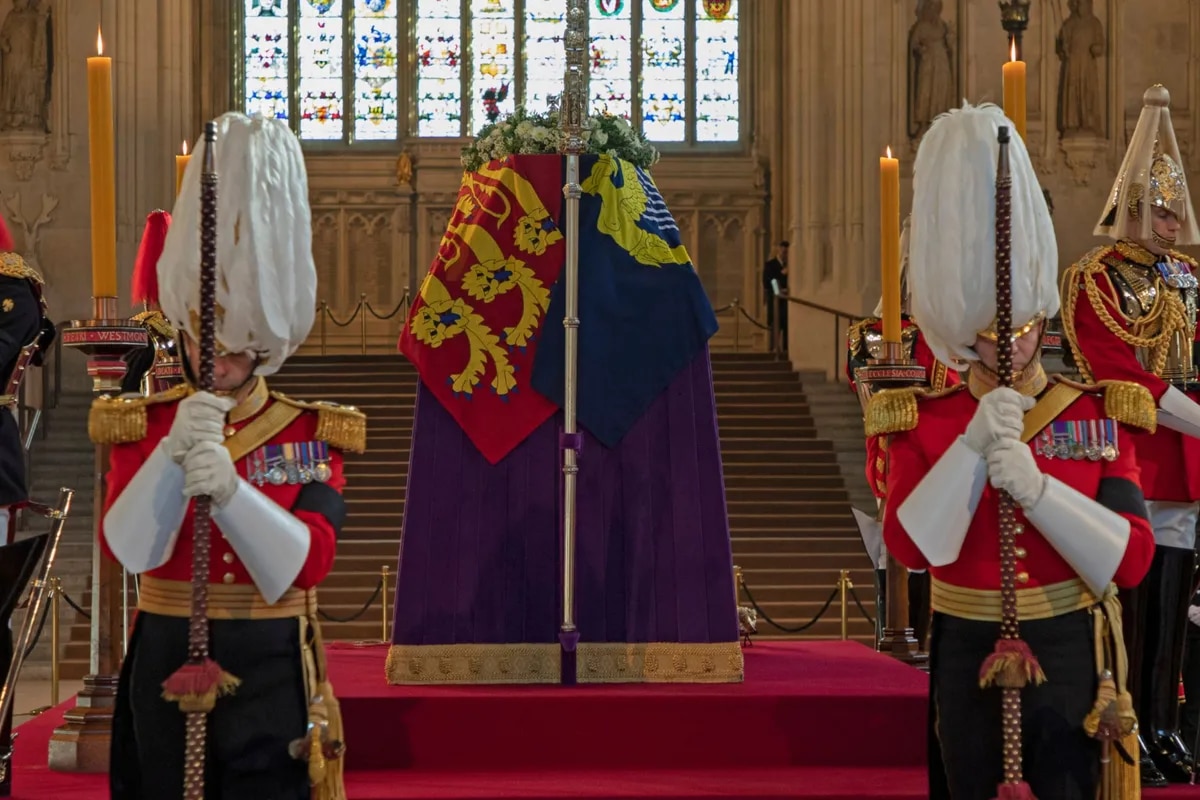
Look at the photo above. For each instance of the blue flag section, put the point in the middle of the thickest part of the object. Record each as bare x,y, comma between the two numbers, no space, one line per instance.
643,312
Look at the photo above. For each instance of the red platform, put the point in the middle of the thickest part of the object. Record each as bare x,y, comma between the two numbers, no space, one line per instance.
830,720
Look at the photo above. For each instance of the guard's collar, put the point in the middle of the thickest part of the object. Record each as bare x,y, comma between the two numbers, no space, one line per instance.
1030,381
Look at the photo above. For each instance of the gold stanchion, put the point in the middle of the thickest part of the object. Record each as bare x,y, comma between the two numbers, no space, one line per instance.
737,331
55,637
737,584
324,314
362,307
384,635
844,587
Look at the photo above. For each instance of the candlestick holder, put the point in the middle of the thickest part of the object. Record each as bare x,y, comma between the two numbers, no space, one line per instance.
82,742
1014,18
893,367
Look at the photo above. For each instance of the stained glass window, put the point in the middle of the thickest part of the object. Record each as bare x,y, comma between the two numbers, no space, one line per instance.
544,57
717,71
266,52
320,67
439,68
610,70
664,70
348,70
376,78
493,56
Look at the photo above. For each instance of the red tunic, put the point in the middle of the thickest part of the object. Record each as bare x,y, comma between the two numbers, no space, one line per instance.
942,419
1170,461
937,377
226,567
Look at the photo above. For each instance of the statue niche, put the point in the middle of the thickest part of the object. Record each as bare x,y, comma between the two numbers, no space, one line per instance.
1080,44
25,68
931,79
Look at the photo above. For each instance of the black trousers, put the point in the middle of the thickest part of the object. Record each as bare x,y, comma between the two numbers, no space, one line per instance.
1059,760
248,732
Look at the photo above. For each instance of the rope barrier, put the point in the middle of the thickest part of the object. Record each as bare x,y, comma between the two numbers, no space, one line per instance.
861,608
75,606
357,614
767,617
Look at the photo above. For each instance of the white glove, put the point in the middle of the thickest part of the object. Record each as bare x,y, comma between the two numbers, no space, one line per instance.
1012,469
208,470
1194,614
1001,415
200,418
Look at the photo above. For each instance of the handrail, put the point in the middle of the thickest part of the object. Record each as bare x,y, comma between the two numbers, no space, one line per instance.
837,314
364,308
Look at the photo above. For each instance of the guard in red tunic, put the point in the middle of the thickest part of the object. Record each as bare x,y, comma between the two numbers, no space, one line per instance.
1129,313
864,341
1062,451
273,469
157,366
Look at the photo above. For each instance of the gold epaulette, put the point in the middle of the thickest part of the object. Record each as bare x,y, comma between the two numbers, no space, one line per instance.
13,266
343,427
1191,262
1125,401
120,420
895,410
855,333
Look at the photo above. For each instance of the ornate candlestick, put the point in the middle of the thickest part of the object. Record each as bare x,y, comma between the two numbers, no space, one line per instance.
81,744
1014,18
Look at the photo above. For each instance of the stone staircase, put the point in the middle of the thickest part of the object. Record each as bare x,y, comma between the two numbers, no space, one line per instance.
790,449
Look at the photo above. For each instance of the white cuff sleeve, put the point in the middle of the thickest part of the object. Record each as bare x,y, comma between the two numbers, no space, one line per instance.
269,539
1179,412
1089,537
938,512
143,523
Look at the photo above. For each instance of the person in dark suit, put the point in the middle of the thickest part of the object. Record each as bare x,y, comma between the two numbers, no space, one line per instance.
775,274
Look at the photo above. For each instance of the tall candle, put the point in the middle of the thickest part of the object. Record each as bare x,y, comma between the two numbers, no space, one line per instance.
1014,91
101,159
181,163
889,244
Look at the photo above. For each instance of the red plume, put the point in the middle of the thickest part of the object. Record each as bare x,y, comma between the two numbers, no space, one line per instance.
145,269
6,242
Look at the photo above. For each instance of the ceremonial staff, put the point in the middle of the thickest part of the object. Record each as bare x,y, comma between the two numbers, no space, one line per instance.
573,112
197,683
1011,665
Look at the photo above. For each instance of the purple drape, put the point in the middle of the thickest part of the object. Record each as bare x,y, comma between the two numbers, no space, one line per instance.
480,549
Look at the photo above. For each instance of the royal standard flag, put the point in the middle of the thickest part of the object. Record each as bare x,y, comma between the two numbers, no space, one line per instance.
473,331
643,314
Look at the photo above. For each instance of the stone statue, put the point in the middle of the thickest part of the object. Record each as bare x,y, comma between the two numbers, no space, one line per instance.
1080,42
931,83
25,67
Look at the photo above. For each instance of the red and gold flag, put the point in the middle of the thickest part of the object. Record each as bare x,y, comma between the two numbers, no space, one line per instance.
472,332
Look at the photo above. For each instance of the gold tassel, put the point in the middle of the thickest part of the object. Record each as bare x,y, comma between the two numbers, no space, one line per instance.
324,746
891,411
1121,780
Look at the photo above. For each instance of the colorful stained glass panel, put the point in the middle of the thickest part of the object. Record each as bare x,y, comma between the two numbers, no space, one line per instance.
493,50
610,69
376,67
320,60
664,71
717,71
545,58
266,58
439,68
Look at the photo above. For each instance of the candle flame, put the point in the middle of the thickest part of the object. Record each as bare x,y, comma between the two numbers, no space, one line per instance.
1012,52
185,147
99,42
889,151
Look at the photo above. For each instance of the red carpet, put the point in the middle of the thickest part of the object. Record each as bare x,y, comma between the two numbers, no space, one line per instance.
828,720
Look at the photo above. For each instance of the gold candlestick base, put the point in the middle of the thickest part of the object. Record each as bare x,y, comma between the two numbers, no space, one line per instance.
83,741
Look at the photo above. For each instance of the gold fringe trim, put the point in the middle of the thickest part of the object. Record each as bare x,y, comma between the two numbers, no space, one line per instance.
660,662
13,266
891,411
119,420
473,664
343,427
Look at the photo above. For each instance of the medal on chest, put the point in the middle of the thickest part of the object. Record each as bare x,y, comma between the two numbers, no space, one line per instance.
1077,440
1176,274
290,463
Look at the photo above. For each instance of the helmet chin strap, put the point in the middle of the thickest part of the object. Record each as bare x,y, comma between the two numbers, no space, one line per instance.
1161,240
